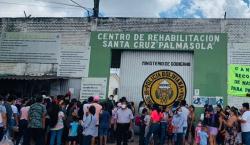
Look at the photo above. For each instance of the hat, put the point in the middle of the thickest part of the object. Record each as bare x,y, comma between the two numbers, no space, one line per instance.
96,98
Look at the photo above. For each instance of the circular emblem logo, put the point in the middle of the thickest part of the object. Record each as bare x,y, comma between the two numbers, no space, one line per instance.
163,87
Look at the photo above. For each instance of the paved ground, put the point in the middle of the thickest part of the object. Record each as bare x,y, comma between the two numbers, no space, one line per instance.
136,142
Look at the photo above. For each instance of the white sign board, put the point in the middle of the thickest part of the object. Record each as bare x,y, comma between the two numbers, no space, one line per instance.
29,47
93,87
74,56
74,62
196,92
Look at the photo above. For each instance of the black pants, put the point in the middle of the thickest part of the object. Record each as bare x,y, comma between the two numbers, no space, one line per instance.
1,133
112,133
122,133
23,125
37,134
142,134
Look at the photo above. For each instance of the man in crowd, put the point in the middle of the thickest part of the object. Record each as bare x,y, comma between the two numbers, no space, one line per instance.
11,116
37,121
123,123
245,124
185,113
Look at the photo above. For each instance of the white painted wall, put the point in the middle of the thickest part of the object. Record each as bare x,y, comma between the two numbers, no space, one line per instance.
133,73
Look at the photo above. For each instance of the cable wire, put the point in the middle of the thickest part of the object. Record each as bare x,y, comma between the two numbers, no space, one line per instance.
12,3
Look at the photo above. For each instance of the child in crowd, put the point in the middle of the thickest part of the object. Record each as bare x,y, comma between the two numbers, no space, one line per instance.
197,132
73,130
203,136
104,122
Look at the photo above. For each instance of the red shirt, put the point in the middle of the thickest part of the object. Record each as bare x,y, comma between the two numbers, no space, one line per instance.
155,116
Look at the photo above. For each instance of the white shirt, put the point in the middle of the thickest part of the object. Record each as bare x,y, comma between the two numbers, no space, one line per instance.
245,127
147,120
124,115
86,108
185,113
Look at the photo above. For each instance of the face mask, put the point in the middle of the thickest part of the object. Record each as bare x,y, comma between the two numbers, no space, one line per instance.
123,106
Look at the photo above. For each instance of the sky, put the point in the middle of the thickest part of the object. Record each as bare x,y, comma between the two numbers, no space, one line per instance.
128,8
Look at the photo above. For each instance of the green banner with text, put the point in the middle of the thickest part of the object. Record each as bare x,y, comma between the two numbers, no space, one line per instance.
239,80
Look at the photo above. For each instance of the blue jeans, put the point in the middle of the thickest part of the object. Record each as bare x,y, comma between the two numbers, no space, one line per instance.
246,138
163,132
56,134
87,140
10,126
153,129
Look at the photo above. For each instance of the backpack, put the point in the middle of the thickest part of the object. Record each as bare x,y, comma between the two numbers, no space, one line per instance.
138,120
9,112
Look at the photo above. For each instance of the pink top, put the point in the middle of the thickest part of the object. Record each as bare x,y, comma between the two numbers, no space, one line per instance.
24,113
98,109
197,137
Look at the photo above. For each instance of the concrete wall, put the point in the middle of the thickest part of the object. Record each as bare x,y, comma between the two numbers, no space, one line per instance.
238,31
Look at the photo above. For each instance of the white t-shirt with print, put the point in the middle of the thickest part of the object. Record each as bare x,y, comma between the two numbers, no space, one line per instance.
59,124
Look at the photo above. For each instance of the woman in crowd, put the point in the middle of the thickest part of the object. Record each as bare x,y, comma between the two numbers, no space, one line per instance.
221,130
154,125
231,127
89,126
164,119
191,129
213,124
56,124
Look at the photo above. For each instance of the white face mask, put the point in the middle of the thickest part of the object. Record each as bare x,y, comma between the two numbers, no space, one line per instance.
123,106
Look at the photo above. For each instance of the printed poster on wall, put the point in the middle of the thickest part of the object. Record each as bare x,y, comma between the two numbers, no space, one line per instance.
23,47
200,101
93,87
74,56
239,80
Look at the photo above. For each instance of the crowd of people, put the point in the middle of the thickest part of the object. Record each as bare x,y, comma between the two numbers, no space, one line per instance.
180,126
48,120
